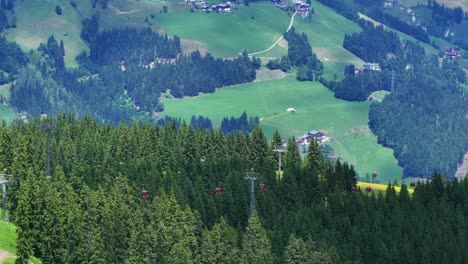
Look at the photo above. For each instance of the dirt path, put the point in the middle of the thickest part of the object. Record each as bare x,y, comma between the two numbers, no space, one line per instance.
4,255
122,12
274,44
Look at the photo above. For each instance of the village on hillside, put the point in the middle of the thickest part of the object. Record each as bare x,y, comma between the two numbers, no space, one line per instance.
223,7
306,139
301,8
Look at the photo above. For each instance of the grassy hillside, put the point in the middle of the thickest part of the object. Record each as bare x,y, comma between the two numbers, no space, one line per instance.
326,30
37,20
7,114
449,3
316,109
7,236
254,28
376,187
8,241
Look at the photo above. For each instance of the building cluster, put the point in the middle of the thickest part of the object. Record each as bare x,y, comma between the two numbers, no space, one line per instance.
302,9
369,67
224,7
306,139
452,53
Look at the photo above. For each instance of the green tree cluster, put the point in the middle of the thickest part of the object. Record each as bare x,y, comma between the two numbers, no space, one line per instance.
92,210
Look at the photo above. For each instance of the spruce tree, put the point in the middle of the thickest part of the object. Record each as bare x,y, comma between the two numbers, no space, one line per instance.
23,221
256,247
296,251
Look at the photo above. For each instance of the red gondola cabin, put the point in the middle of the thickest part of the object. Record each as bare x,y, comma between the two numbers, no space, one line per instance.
262,187
145,194
369,189
218,191
353,189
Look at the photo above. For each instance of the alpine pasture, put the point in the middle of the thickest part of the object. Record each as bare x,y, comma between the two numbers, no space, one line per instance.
37,20
253,28
316,109
325,30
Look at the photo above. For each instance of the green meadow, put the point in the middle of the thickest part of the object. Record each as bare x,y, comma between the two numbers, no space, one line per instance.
325,31
8,241
254,28
7,236
6,114
316,109
37,20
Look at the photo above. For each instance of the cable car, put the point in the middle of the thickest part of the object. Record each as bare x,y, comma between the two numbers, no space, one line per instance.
412,184
262,187
218,191
353,189
145,194
369,189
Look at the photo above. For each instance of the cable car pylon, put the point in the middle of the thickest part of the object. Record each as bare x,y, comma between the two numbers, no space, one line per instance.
279,150
4,180
252,176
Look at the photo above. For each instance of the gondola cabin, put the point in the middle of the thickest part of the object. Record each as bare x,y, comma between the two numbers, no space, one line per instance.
412,184
262,187
145,194
369,189
218,191
354,188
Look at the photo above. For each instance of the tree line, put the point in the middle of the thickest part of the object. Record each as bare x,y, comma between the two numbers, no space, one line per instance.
13,58
394,22
424,119
300,55
373,44
117,81
426,98
241,124
91,210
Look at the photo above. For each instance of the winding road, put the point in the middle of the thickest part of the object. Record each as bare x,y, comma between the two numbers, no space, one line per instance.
122,12
274,44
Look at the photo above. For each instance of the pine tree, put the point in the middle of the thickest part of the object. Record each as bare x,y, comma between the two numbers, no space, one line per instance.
256,247
259,149
296,251
220,244
314,157
25,242
175,225
93,244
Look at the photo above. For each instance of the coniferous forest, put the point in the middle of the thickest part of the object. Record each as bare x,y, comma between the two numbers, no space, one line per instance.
424,118
92,209
122,78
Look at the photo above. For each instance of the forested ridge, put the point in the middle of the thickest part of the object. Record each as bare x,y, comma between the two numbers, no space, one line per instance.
91,210
123,77
424,118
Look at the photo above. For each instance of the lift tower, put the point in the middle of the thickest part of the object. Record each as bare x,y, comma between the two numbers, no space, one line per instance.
279,150
5,179
252,176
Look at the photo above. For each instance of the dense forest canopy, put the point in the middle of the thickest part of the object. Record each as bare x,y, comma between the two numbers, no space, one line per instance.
425,120
91,210
12,59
